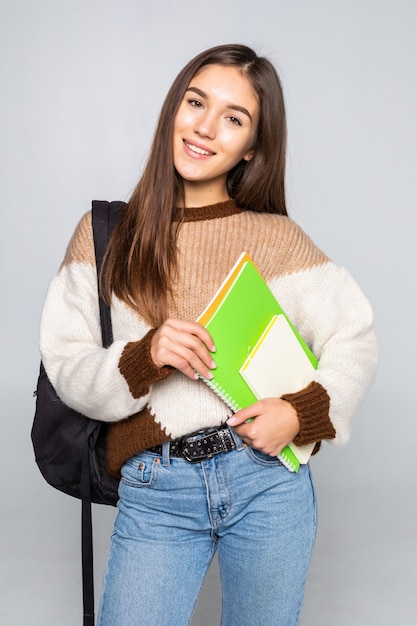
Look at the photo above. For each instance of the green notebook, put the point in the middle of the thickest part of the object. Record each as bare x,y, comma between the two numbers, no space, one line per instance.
236,317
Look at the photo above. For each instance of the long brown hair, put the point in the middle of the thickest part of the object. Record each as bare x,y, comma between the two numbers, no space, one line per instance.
142,251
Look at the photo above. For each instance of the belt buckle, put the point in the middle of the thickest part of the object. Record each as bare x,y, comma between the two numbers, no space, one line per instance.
186,441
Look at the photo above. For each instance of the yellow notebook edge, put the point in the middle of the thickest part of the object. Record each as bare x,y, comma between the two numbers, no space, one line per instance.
224,288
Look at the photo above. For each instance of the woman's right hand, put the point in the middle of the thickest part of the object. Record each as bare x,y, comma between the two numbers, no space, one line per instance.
184,345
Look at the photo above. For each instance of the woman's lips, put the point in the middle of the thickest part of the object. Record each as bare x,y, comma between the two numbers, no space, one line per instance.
198,149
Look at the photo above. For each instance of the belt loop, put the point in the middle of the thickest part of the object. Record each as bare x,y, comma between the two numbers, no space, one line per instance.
239,443
165,453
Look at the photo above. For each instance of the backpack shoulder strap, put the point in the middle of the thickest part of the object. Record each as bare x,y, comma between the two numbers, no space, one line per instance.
104,217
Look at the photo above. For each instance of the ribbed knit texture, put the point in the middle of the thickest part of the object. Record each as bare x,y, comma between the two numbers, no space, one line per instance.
137,367
147,405
312,407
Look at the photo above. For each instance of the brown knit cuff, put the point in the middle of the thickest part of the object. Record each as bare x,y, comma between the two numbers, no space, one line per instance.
137,367
312,407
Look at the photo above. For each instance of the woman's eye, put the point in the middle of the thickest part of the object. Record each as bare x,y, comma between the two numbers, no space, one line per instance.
235,121
195,103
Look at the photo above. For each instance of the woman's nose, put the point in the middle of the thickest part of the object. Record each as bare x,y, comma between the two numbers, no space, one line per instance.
205,126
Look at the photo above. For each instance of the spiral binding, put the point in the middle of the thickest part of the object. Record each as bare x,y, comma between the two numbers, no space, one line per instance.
288,458
222,393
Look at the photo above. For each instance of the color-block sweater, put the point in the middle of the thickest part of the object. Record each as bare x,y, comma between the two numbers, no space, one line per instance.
146,405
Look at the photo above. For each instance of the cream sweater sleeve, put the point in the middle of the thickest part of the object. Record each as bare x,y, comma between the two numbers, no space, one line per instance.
86,376
335,318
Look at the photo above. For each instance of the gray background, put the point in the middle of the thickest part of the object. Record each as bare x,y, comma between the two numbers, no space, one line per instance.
82,83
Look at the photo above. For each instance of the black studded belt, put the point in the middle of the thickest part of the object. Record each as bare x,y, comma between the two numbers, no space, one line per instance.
201,445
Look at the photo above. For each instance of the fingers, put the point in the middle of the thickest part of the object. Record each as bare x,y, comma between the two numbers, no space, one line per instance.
185,345
268,425
244,415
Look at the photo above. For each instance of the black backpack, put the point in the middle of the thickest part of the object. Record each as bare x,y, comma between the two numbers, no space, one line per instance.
69,447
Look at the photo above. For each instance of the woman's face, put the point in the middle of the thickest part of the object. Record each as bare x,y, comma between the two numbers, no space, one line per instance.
215,127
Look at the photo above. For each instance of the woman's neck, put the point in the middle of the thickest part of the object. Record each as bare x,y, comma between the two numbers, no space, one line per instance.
199,195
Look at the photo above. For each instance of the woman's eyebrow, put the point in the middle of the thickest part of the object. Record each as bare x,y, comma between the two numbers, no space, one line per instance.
235,107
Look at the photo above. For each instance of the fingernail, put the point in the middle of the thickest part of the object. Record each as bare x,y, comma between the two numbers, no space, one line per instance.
213,365
231,421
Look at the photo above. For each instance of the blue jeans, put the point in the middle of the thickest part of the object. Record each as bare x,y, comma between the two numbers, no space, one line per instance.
174,515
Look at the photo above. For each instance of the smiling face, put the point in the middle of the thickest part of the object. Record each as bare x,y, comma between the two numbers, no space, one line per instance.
215,127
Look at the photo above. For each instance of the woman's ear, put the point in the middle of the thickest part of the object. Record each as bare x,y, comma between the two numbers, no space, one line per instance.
249,155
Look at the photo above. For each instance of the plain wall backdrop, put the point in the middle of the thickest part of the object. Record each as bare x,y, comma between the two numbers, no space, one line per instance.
82,83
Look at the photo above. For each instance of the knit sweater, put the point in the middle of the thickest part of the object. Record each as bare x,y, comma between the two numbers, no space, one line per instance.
146,405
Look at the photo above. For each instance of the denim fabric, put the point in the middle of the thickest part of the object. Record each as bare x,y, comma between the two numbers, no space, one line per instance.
172,518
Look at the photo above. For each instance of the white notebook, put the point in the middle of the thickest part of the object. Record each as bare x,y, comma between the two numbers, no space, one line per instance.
280,364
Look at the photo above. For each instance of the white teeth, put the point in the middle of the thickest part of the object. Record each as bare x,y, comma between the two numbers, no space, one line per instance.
197,150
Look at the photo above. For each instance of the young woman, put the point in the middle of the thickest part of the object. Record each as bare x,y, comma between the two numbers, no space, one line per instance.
212,188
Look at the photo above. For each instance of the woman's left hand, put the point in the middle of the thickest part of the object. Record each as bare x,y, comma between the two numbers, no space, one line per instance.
274,427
